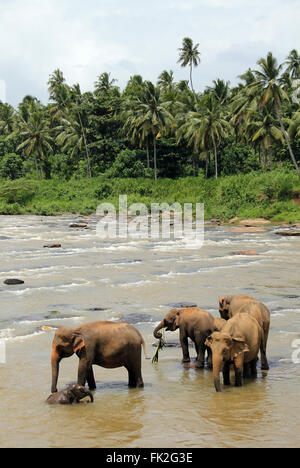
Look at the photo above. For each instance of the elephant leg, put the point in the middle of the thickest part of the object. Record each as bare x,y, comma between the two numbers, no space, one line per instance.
200,347
238,368
134,368
91,379
209,358
226,373
185,347
246,371
253,368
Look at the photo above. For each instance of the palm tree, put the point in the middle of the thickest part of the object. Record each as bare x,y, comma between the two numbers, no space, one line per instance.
7,119
152,116
293,64
267,90
189,56
104,83
166,81
205,128
265,130
34,132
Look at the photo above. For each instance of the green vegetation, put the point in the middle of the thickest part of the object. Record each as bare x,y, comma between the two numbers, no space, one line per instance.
251,195
235,148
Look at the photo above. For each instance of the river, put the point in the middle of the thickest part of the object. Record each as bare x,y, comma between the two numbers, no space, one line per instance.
137,281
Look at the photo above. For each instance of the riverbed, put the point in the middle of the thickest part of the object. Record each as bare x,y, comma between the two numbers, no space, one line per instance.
91,279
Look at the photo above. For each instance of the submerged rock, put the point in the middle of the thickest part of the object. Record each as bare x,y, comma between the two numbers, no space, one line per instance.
136,318
52,246
181,305
288,233
13,282
78,225
246,252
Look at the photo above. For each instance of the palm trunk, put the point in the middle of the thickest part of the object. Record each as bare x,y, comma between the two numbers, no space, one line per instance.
155,158
216,155
89,172
285,134
148,157
36,167
191,78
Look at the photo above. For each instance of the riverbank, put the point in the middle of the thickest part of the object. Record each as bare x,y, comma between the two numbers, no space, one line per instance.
274,196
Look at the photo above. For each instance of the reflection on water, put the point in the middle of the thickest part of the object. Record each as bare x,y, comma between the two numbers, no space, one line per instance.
91,279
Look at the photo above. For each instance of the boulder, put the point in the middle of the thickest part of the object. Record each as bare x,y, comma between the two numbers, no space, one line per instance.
246,252
247,230
255,222
13,282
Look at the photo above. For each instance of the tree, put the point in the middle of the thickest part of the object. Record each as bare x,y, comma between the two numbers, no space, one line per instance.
267,90
293,64
7,119
189,56
34,132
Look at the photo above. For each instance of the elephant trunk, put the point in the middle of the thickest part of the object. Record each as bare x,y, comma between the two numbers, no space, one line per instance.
217,368
89,393
55,360
156,333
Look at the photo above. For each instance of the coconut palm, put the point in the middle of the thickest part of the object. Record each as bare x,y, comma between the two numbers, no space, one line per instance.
7,119
166,81
34,132
293,64
189,56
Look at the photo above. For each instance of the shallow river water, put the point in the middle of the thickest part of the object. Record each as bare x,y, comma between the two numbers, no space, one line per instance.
178,406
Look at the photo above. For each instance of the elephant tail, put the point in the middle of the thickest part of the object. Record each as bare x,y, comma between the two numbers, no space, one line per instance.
144,348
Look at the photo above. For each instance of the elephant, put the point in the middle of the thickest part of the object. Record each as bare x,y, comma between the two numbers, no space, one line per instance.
106,344
229,306
239,343
193,323
73,394
219,323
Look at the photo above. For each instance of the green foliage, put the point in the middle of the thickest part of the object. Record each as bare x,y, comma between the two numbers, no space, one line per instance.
18,191
11,166
127,165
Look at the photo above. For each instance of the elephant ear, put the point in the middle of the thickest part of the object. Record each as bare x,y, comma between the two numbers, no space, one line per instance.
177,319
239,347
78,343
209,341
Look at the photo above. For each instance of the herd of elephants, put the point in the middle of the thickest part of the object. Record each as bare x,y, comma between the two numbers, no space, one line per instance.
236,338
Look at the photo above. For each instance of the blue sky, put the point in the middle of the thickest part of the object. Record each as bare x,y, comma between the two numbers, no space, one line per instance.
84,39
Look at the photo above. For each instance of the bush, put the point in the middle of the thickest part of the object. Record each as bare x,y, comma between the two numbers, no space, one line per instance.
127,165
18,191
11,166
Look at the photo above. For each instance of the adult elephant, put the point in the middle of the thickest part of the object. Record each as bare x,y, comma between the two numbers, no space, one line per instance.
106,344
238,343
192,323
229,306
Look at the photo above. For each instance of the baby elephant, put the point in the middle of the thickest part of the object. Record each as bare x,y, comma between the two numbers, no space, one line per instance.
73,394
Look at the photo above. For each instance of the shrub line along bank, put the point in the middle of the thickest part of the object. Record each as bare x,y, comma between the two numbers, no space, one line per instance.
273,195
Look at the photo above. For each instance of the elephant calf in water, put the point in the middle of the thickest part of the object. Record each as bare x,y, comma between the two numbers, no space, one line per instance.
73,394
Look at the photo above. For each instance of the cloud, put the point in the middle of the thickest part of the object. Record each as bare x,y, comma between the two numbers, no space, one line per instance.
84,39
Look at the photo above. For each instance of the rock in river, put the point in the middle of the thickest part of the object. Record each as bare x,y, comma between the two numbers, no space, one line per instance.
13,282
288,233
246,252
52,246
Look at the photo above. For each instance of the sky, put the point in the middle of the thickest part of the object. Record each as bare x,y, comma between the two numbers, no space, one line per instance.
127,37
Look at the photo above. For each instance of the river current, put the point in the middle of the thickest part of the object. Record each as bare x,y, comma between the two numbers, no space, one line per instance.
92,279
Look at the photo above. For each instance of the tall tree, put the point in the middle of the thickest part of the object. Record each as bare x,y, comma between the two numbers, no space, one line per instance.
189,56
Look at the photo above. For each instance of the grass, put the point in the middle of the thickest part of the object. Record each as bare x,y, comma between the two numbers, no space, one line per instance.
268,195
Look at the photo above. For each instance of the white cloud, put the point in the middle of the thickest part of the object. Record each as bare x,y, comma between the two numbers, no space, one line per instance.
85,39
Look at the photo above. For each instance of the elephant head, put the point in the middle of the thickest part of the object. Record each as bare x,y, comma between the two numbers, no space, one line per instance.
224,304
224,349
170,322
76,393
66,342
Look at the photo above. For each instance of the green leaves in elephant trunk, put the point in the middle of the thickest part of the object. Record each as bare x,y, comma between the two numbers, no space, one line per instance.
160,346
